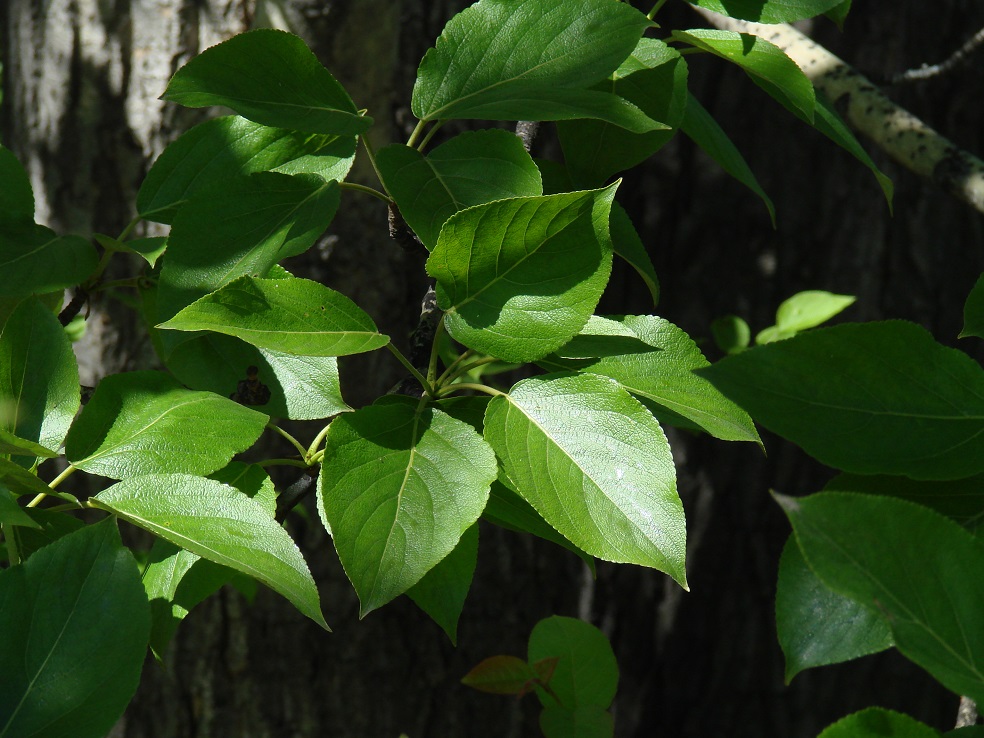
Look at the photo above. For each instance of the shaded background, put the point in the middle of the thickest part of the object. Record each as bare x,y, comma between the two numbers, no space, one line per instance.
81,78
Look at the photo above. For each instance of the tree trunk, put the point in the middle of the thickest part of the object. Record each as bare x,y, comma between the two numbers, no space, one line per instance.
80,110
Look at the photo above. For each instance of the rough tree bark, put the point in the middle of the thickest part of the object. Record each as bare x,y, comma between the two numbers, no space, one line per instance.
81,78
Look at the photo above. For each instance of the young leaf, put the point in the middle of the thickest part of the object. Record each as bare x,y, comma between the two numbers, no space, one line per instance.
294,316
816,626
518,278
731,334
149,249
222,149
654,360
596,466
531,60
974,311
586,674
654,78
399,486
442,591
584,722
16,195
704,131
270,77
876,722
55,262
20,481
628,246
472,168
769,11
763,61
244,227
500,675
809,309
39,384
854,397
218,523
75,623
898,559
146,423
838,14
13,514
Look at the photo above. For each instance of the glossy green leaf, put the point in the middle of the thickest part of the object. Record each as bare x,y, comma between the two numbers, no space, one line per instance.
16,195
518,278
35,260
961,500
75,624
854,396
762,60
584,722
922,572
654,78
769,11
704,131
13,514
222,149
816,626
301,387
39,377
294,316
500,675
244,228
269,77
654,360
876,722
974,311
586,674
442,591
399,486
531,60
596,466
731,334
20,481
221,524
146,423
149,249
472,168
12,445
252,480
628,246
810,308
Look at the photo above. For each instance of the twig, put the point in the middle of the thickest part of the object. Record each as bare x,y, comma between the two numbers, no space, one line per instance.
421,342
400,232
527,130
292,496
74,307
926,71
966,713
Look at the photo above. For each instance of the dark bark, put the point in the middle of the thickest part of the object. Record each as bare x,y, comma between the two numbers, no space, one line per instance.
80,83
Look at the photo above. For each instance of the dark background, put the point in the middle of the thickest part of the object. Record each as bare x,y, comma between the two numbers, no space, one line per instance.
80,84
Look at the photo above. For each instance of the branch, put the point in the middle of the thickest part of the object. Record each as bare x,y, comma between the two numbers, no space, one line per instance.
967,713
893,129
926,71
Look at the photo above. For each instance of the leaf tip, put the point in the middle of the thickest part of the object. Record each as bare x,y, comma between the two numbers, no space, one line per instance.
790,505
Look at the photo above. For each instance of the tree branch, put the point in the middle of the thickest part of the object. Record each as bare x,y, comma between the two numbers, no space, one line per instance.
893,129
926,71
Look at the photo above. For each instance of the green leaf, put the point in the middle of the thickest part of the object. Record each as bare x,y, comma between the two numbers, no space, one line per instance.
596,466
222,149
294,316
39,382
584,722
838,14
243,228
531,60
301,387
35,260
442,591
472,168
13,514
12,445
252,480
16,195
654,78
855,397
75,622
974,311
270,77
518,278
149,249
961,500
809,309
586,674
654,360
399,486
731,334
921,571
769,11
20,481
500,675
53,525
764,62
817,627
704,131
876,722
970,731
627,245
218,523
146,423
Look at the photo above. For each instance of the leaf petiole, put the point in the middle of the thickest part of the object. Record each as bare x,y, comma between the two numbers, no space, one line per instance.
367,190
67,472
293,441
451,388
428,387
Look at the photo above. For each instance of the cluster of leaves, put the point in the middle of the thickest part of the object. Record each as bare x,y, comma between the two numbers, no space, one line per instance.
520,251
